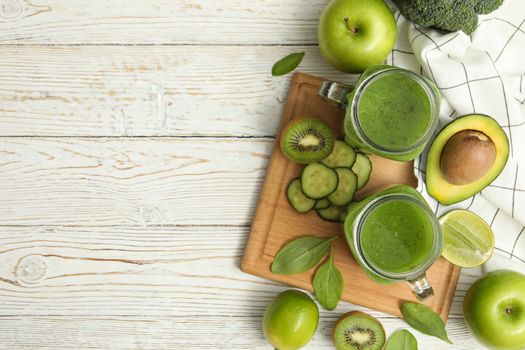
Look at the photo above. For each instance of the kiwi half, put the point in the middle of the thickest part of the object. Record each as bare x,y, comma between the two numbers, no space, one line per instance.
358,331
307,140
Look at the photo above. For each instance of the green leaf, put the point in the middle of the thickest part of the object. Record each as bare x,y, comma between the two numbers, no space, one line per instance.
328,285
300,255
287,64
401,340
425,320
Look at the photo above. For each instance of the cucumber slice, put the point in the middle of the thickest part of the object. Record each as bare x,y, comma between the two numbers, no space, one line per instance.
297,198
343,214
318,180
350,142
342,156
332,213
346,187
322,203
362,168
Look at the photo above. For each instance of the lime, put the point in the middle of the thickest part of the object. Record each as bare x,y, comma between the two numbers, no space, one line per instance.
290,321
467,239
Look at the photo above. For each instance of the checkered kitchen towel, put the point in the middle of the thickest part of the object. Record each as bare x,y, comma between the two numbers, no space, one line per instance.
480,73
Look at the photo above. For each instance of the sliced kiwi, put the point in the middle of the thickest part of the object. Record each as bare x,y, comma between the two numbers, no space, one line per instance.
307,141
358,331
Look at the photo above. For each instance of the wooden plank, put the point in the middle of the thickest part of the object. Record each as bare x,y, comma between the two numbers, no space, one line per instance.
141,271
160,22
172,332
139,181
146,91
276,222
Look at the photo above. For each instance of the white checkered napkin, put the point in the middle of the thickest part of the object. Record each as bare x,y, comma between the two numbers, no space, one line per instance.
480,73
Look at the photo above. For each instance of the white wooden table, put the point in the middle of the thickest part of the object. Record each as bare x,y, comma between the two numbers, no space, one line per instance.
134,138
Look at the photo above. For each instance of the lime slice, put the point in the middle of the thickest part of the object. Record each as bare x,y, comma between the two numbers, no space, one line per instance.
467,239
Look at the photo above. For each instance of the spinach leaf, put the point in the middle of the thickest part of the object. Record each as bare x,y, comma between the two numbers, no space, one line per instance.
401,340
425,320
328,284
300,255
287,64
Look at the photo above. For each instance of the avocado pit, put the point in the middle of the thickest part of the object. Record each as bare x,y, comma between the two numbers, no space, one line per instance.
467,156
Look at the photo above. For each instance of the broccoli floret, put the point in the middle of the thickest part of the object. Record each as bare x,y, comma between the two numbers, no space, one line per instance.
464,18
417,11
447,15
482,7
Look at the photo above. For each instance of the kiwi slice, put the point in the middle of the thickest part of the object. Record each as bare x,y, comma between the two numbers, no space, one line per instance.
307,140
358,331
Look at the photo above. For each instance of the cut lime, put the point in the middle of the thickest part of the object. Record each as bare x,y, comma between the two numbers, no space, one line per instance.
467,239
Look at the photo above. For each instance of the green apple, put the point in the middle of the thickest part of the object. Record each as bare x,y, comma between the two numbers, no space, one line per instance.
290,321
356,34
494,308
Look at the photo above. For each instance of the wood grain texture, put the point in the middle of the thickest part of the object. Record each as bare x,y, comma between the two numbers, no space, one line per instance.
276,222
164,272
159,22
146,91
148,288
178,271
139,181
71,69
122,270
199,332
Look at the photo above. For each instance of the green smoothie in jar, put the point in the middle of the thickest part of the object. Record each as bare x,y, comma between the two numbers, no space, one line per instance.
391,112
394,236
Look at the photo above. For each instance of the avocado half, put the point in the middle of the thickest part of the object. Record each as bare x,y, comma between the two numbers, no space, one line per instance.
439,185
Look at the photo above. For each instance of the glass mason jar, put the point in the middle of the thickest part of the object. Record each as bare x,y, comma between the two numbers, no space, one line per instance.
391,112
394,236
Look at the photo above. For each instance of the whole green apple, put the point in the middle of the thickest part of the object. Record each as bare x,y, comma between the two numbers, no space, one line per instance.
356,34
494,308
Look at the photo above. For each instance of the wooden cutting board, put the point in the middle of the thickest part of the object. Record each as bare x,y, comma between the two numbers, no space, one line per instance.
276,222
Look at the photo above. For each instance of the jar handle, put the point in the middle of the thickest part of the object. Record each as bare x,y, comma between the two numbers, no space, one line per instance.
421,288
335,93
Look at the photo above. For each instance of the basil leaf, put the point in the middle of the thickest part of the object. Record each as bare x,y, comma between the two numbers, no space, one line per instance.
300,255
425,320
328,285
287,64
401,340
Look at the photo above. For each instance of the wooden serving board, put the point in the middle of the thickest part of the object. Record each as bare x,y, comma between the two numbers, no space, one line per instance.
276,222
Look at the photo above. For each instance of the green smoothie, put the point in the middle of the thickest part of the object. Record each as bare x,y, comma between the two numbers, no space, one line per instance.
394,111
397,236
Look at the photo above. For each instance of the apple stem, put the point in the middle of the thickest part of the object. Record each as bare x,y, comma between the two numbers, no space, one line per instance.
508,310
350,27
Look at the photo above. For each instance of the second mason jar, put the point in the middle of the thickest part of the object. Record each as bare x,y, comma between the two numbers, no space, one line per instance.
395,236
391,112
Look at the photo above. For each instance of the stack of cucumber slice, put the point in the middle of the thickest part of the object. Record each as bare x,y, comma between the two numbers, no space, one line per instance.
329,186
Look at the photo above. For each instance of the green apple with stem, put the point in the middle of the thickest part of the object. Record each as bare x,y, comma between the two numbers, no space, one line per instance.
494,309
356,34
